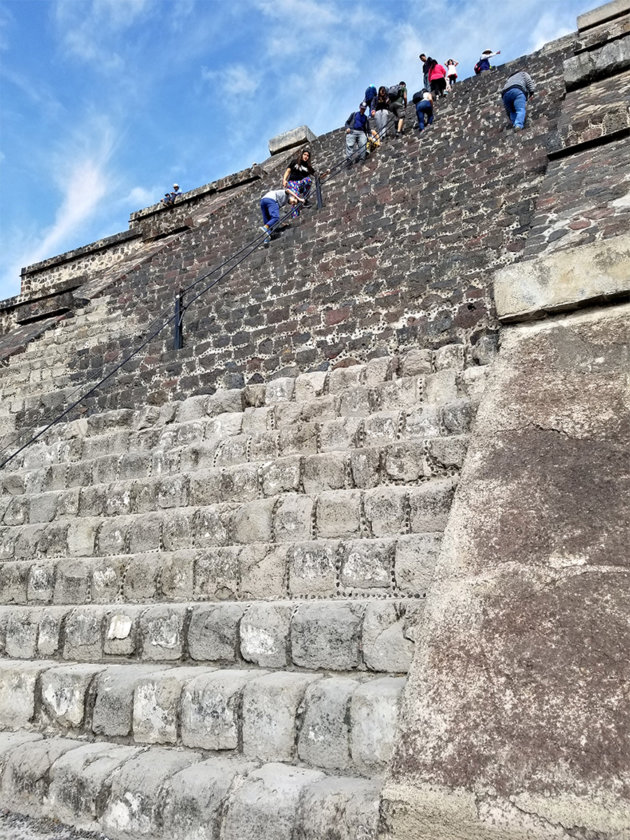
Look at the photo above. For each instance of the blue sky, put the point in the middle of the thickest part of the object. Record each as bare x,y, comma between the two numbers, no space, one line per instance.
105,103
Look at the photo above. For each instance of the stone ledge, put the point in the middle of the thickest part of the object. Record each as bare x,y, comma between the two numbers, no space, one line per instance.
582,69
564,280
291,139
602,14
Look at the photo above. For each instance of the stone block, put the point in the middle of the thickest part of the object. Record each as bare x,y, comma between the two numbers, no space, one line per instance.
156,705
440,387
324,472
405,462
290,139
112,715
300,439
42,508
381,370
225,402
381,427
312,568
327,635
365,468
279,390
339,514
83,634
401,393
108,575
457,417
293,518
310,385
252,522
192,408
386,510
217,573
263,572
161,630
80,781
21,634
367,565
192,799
387,643
121,630
82,537
92,501
280,476
355,402
53,541
374,717
16,512
416,362
600,62
430,505
136,791
256,420
563,280
49,636
141,579
26,774
230,451
144,493
264,634
143,534
176,575
270,711
450,356
347,807
210,709
14,579
41,583
414,563
264,805
17,691
27,543
213,633
112,537
339,435
324,739
177,529
72,582
449,452
64,692
118,499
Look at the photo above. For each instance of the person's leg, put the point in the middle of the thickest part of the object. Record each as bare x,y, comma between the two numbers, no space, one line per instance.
420,114
350,140
508,100
362,141
271,212
520,109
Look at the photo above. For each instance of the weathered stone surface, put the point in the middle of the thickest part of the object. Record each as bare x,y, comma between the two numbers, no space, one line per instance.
156,705
602,13
64,693
387,643
264,634
312,568
374,714
324,739
289,139
214,631
211,705
563,280
327,635
112,715
161,629
338,514
343,809
17,691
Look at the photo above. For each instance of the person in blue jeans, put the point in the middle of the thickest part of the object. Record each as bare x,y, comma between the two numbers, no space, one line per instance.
516,91
270,205
357,131
424,110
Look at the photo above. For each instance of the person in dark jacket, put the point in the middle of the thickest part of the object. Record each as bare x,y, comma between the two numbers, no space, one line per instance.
425,69
380,111
357,130
515,93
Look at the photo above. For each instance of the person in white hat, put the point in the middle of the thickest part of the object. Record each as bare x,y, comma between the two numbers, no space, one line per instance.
169,198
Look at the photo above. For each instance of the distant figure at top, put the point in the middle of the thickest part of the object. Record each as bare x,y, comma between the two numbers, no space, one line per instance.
169,198
425,69
357,131
484,61
516,91
437,78
451,72
398,104
369,97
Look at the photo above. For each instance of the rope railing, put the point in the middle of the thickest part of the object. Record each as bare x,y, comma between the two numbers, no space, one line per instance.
161,323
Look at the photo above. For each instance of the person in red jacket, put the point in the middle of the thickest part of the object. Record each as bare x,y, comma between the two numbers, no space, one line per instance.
437,78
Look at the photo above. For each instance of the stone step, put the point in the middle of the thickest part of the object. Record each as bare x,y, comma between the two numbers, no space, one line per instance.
179,794
344,723
342,634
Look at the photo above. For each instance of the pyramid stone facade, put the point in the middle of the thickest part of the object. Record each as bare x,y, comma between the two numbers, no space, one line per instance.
352,562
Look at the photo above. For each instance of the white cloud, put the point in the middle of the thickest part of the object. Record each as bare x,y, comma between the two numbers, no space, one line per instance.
232,81
549,27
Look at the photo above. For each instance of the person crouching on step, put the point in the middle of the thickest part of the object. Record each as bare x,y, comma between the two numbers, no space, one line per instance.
270,205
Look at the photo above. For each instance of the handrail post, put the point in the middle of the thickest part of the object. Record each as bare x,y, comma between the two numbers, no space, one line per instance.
178,331
318,192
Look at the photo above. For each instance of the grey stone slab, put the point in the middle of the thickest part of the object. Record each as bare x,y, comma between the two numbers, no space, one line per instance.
414,563
14,577
374,716
49,636
211,707
21,634
415,362
213,633
606,60
324,739
312,568
290,139
339,435
564,279
108,575
347,807
253,522
156,705
137,791
293,518
387,638
367,565
386,510
440,387
324,472
121,630
405,462
365,468
355,402
430,505
64,691
270,711
281,476
264,805
217,573
382,427
602,13
83,634
18,682
177,530
26,776
119,536
80,781
309,385
327,635
72,582
112,715
264,634
192,804
161,628
448,452
141,578
263,569
339,514
82,537
177,575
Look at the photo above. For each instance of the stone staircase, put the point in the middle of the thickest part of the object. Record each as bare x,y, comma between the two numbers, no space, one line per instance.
209,607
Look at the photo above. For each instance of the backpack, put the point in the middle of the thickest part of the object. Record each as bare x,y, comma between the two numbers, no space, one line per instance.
393,92
418,95
370,94
477,68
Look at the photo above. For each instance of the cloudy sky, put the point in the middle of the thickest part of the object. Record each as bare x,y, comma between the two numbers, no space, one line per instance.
104,103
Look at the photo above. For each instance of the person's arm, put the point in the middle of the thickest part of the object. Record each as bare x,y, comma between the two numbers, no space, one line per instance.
285,177
530,85
349,122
